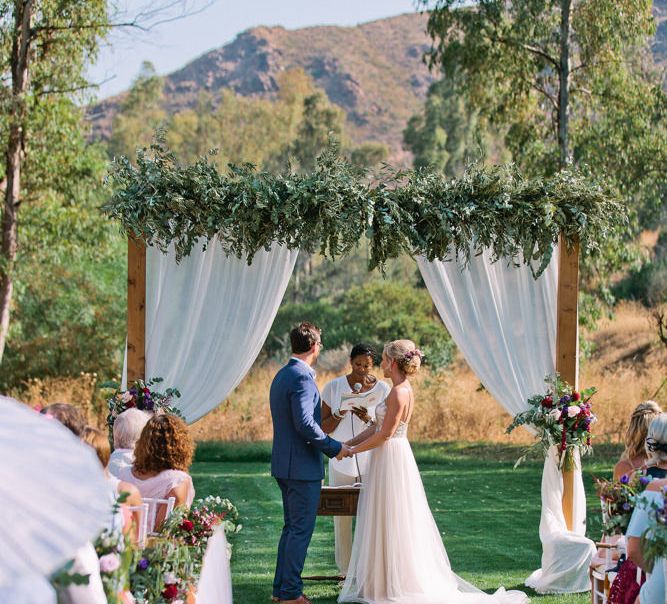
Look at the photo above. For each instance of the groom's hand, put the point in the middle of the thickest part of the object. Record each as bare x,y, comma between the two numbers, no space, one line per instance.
345,451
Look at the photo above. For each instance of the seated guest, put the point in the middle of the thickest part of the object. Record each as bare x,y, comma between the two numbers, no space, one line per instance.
121,520
126,431
653,590
656,447
162,457
634,457
85,561
68,415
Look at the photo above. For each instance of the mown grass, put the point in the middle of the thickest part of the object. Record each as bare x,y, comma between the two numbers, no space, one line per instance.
487,511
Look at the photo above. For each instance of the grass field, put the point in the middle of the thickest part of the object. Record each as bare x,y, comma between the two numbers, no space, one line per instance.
488,514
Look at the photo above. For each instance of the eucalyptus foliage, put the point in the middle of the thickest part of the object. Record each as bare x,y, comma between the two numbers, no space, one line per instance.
164,202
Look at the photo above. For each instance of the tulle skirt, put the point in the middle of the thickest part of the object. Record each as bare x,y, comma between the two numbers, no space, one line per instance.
398,555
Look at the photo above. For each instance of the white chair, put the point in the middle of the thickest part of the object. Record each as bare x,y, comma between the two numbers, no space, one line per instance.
153,506
142,529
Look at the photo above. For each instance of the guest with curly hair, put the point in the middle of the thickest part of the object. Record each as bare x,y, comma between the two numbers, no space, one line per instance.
162,458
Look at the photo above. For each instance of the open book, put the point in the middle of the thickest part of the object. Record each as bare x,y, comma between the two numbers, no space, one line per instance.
362,399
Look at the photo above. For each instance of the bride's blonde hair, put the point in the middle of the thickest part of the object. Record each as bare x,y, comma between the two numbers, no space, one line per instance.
406,354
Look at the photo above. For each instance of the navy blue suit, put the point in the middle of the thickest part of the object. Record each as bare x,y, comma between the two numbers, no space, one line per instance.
298,467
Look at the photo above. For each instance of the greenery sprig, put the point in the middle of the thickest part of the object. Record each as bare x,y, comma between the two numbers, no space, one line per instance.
329,210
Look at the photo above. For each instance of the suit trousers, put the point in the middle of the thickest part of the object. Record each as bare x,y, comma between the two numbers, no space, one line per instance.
300,502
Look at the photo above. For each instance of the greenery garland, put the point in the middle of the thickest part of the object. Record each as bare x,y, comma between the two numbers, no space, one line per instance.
331,209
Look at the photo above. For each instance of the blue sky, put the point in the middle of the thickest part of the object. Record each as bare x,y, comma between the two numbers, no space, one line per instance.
172,44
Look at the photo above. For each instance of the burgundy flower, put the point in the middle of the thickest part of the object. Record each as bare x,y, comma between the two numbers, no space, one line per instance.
187,525
547,402
170,592
576,396
130,403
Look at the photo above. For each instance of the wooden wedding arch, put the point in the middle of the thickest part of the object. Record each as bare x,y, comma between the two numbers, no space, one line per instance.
160,202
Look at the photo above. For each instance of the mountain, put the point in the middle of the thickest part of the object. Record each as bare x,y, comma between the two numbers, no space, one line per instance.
373,71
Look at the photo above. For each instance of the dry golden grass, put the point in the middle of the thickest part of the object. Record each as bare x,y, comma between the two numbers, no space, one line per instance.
627,365
81,391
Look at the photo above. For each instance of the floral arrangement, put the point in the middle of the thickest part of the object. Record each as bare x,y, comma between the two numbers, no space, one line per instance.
618,500
164,573
115,553
142,396
562,417
195,526
168,570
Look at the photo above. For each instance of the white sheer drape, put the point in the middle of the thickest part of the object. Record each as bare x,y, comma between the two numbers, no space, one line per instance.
504,322
215,581
207,319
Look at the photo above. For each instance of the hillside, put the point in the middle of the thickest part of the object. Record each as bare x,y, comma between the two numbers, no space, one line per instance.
373,71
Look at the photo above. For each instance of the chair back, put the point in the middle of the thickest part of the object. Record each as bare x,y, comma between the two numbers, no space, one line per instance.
142,528
153,506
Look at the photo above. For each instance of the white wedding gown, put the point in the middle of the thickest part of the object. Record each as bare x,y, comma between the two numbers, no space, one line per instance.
398,555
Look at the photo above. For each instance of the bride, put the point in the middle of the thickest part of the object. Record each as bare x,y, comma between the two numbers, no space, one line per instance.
398,555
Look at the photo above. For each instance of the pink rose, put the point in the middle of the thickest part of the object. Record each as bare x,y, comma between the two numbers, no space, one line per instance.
573,411
109,563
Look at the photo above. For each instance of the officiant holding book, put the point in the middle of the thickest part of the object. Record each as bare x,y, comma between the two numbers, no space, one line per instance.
348,407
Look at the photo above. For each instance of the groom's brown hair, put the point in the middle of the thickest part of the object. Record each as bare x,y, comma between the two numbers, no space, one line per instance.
304,336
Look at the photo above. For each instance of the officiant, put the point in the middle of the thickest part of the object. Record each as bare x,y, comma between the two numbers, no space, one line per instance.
344,425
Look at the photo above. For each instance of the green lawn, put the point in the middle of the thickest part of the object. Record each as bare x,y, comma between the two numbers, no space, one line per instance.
487,511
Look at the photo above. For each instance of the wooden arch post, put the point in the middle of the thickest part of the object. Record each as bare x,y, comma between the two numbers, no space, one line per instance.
136,310
567,345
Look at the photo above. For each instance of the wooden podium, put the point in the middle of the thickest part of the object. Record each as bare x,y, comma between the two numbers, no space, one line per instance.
336,501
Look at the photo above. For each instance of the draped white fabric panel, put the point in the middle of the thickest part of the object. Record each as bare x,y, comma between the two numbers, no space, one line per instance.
207,319
504,322
215,582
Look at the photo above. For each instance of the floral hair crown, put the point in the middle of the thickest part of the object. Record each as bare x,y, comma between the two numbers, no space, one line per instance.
653,445
411,353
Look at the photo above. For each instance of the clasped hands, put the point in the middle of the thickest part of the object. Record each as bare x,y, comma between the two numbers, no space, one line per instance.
345,451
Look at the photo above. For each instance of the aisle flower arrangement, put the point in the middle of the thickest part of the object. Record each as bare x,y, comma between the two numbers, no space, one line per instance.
140,395
562,417
167,570
618,499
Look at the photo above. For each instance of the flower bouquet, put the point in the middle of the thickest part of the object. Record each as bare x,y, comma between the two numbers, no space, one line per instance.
618,500
195,526
115,554
164,573
562,417
142,396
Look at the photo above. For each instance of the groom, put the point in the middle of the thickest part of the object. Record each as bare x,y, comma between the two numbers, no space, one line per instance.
296,459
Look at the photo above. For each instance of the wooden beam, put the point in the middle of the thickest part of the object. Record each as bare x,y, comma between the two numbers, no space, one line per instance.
136,310
567,345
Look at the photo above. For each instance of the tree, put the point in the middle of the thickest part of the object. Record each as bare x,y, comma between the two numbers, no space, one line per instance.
320,121
45,47
570,79
444,134
140,113
368,155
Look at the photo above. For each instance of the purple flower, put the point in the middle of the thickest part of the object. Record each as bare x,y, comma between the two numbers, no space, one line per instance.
644,480
149,404
625,479
565,399
143,564
626,507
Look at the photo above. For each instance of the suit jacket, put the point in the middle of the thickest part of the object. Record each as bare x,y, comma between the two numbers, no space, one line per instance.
298,439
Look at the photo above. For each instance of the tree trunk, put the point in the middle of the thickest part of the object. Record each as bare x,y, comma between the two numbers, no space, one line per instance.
564,83
23,13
